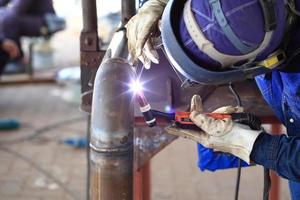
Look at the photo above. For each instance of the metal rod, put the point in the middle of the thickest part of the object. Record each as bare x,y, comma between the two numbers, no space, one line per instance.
88,135
89,15
118,46
142,183
128,10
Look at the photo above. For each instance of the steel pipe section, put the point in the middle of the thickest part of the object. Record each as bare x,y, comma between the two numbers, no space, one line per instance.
112,124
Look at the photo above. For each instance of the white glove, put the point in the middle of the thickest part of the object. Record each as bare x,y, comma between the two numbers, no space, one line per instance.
139,30
221,135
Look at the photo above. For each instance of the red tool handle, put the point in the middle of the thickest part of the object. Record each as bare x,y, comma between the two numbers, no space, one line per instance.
182,119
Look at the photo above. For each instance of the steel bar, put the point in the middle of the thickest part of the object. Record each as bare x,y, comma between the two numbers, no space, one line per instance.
90,53
127,10
142,183
89,15
8,80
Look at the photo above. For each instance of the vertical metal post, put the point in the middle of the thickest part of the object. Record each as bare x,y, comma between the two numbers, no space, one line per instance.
128,10
88,174
89,15
90,53
142,179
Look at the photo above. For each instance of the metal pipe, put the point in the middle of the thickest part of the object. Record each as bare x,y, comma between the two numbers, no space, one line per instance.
117,47
128,9
89,15
112,122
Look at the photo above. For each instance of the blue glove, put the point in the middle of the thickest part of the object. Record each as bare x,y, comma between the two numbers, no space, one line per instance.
212,161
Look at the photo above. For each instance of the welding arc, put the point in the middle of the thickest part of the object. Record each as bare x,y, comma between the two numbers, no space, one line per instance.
41,131
40,169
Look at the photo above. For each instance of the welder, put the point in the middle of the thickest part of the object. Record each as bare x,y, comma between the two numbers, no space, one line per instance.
30,18
218,42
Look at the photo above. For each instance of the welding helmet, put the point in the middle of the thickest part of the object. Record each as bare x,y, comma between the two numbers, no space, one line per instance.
222,41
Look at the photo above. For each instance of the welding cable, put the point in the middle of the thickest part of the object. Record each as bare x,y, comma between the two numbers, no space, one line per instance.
42,130
40,169
254,124
239,168
267,184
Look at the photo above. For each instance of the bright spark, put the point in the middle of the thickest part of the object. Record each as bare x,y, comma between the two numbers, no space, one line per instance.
136,86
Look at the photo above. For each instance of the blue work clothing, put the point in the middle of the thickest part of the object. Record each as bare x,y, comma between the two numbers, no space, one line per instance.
281,89
212,161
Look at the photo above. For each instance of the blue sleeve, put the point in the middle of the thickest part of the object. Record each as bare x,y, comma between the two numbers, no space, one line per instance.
279,153
212,161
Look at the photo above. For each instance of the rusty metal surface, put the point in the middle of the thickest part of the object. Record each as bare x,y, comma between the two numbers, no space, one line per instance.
142,183
111,176
90,53
90,59
111,139
112,111
148,142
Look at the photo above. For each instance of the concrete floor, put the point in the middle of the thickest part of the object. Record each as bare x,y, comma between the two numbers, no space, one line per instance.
174,172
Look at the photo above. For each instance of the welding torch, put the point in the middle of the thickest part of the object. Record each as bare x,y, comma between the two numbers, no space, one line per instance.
182,119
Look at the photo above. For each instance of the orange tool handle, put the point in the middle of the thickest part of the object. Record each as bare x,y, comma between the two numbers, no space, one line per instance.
184,117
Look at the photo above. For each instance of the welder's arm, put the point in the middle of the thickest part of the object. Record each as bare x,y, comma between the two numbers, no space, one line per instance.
139,30
222,135
279,153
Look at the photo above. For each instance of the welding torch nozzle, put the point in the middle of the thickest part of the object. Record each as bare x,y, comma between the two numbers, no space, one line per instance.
146,109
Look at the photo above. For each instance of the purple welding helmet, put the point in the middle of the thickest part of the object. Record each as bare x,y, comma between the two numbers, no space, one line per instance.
221,41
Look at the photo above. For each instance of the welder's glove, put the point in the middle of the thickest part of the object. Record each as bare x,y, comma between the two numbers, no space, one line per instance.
221,135
140,30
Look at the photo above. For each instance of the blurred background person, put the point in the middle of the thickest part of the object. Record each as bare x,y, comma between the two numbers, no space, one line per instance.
8,50
30,18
